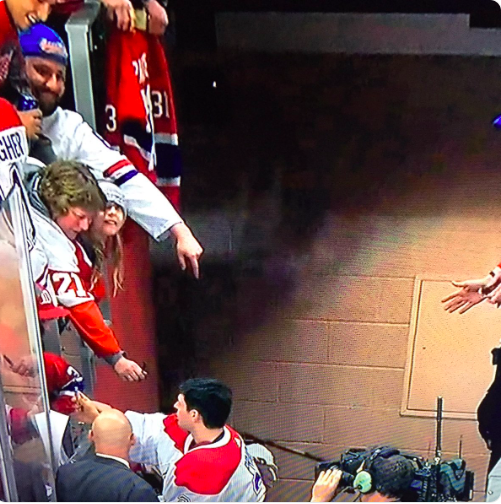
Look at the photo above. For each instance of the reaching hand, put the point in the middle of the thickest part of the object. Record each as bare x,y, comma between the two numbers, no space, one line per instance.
128,370
87,410
326,485
25,366
122,11
462,300
32,121
473,292
158,20
187,247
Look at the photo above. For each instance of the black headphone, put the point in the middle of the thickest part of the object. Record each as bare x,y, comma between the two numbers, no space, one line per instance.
364,480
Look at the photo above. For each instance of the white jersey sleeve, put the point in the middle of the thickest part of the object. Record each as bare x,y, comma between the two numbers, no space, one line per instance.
39,262
73,139
148,428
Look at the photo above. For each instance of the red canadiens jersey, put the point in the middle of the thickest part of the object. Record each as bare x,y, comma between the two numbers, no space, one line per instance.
129,123
168,157
222,471
140,115
63,382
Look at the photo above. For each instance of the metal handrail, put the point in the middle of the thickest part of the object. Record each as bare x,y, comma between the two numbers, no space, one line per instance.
78,28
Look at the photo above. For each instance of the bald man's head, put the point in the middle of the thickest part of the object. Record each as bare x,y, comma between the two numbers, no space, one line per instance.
112,434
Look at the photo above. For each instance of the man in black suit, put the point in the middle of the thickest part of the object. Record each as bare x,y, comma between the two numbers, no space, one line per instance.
105,476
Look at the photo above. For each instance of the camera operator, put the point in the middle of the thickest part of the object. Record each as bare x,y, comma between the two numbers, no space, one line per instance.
379,479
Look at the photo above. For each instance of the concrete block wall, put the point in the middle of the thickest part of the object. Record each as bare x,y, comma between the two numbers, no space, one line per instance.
328,373
339,180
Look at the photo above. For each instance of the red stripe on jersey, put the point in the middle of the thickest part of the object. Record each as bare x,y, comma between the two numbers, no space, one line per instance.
207,471
117,166
172,429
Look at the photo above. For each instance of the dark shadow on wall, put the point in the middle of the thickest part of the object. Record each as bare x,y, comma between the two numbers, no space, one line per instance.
300,138
199,320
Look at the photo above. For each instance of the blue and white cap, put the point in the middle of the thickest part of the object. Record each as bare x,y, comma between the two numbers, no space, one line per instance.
41,41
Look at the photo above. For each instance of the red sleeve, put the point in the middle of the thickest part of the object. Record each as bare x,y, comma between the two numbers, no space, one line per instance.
172,429
88,320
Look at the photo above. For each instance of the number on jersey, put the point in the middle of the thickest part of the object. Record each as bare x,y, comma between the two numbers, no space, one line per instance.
68,284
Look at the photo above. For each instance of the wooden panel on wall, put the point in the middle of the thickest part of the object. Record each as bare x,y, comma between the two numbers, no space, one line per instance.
448,354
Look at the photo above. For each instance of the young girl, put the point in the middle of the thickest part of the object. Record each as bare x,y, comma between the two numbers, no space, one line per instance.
105,242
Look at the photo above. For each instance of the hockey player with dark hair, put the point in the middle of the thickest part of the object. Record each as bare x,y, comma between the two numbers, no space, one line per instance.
199,456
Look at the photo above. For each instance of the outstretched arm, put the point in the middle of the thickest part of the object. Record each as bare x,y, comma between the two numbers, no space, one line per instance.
89,322
473,292
145,202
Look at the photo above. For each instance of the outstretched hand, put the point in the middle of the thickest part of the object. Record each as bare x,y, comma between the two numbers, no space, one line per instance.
462,300
87,410
473,292
129,370
25,366
326,485
187,248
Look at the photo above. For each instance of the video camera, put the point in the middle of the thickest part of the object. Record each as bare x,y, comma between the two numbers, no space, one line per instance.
431,481
424,480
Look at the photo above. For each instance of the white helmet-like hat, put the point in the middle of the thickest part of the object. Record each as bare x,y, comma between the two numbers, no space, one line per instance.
113,194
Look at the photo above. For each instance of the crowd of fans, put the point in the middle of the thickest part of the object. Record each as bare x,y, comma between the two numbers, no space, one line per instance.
81,191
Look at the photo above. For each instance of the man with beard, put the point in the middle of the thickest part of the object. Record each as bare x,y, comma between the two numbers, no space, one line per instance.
72,139
19,15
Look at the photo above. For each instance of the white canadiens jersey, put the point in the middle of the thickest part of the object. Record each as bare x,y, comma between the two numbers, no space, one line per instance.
222,471
74,140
